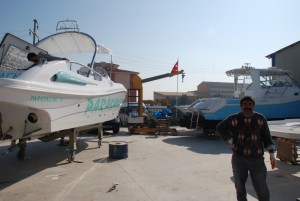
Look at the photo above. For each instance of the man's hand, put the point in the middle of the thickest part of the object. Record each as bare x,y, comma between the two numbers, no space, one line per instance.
230,141
273,160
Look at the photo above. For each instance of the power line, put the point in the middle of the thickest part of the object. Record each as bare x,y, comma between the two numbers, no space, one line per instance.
16,31
162,64
141,62
142,58
163,67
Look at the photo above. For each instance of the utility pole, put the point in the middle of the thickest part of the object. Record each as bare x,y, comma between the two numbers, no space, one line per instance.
34,33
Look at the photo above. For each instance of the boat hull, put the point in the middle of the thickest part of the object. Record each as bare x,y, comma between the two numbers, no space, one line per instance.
210,111
276,95
281,109
34,113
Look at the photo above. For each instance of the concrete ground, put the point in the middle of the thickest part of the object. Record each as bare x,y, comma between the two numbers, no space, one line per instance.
186,167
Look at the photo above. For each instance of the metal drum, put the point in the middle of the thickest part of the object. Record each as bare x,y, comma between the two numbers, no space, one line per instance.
118,150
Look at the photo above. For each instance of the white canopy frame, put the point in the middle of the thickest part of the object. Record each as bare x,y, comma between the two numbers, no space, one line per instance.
72,42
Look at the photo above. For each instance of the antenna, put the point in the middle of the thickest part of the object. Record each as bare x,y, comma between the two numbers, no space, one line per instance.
247,64
34,33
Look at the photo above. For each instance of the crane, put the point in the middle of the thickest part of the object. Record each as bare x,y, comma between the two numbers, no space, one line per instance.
137,124
137,84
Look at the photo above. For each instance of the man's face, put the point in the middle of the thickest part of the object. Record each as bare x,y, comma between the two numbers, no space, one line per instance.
247,108
33,59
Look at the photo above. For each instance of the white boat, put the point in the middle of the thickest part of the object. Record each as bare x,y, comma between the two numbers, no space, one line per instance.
275,92
288,139
288,128
55,95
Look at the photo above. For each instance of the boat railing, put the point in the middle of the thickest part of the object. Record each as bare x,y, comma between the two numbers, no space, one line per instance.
67,25
86,71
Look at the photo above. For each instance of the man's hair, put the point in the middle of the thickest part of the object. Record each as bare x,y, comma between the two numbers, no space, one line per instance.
30,55
247,98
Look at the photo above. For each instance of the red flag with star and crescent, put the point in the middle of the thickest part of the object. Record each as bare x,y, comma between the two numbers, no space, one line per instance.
175,68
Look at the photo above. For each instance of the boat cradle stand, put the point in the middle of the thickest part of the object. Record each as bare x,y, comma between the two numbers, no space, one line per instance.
76,131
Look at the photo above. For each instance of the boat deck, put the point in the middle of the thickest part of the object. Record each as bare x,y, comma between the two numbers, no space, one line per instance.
289,129
288,139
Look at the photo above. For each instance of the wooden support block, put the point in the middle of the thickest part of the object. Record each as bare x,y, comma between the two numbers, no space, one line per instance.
287,150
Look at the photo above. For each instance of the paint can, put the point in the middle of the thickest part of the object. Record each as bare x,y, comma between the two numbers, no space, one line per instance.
118,150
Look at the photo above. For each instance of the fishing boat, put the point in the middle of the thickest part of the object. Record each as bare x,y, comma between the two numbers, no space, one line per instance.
47,97
275,92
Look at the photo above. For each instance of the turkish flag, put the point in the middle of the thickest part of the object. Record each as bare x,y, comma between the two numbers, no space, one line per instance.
175,68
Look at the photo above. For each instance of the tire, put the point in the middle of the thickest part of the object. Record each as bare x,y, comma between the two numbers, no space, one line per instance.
116,129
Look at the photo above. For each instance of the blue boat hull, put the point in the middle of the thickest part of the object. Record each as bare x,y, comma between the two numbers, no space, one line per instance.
287,110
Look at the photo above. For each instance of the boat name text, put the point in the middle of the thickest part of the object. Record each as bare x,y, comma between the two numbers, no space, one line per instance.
103,103
10,74
46,99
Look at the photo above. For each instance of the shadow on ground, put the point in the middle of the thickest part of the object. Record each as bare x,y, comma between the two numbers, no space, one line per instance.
201,144
39,156
283,182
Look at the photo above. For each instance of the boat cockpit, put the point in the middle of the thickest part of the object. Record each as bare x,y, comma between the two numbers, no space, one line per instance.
14,62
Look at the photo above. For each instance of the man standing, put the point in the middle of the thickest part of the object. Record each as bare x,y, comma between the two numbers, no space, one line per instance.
36,57
248,134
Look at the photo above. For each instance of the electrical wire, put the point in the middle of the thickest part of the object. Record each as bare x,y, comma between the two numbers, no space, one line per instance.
140,63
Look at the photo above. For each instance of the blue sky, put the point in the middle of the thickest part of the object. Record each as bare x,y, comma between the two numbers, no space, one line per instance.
207,36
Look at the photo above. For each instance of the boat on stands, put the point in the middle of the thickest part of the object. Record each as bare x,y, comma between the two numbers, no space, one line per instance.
42,99
275,92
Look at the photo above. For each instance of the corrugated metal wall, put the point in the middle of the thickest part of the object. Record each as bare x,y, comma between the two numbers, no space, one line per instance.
289,59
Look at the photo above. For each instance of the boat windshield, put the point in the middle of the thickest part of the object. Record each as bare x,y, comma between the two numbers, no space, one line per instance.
87,71
282,81
265,81
268,81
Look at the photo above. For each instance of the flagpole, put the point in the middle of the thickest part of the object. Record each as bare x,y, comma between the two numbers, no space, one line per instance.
177,100
175,71
177,93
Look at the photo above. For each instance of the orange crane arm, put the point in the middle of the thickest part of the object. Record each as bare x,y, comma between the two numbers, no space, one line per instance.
162,76
137,84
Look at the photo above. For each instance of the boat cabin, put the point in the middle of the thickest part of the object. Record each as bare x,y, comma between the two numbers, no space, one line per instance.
262,83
